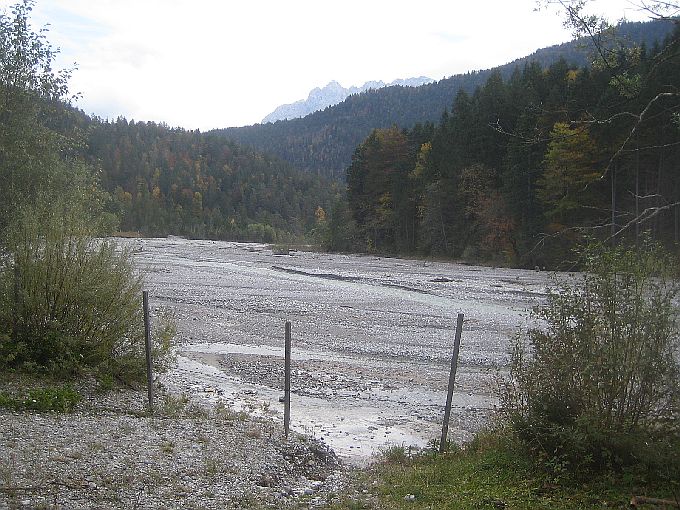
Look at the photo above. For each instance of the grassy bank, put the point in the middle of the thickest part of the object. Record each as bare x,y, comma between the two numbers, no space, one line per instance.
496,472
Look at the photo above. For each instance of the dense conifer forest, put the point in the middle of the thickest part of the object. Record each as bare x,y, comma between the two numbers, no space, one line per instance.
171,181
524,161
524,168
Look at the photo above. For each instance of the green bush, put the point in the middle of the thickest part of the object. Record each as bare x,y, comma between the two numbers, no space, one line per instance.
69,302
61,399
595,385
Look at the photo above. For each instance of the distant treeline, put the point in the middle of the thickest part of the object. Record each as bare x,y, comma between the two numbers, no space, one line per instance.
515,167
171,181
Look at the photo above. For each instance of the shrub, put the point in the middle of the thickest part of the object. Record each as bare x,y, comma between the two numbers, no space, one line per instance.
596,384
70,302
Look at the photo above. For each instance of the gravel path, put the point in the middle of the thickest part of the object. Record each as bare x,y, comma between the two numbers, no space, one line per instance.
111,454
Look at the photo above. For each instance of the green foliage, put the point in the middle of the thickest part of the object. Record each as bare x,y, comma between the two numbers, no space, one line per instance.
570,167
494,471
69,301
377,190
61,399
341,233
258,232
200,185
39,140
323,142
394,454
527,166
29,91
597,385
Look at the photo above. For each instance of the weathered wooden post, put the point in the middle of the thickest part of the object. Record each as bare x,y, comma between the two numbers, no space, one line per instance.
147,341
286,384
18,303
452,381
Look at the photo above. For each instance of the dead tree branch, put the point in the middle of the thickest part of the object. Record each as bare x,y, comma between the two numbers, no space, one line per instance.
633,131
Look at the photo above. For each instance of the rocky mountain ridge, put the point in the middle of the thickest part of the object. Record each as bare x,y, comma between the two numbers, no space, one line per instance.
332,94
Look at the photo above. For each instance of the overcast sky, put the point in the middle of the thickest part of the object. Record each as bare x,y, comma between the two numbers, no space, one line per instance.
218,63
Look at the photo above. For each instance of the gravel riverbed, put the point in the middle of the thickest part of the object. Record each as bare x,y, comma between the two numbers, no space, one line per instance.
372,336
110,453
372,340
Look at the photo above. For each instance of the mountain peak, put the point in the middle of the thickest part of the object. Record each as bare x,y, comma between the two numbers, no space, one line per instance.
332,94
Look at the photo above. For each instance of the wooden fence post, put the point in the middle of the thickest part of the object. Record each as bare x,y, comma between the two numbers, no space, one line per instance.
452,381
18,303
286,384
147,341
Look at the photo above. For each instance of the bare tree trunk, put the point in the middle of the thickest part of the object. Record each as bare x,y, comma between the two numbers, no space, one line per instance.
659,174
637,194
16,304
613,228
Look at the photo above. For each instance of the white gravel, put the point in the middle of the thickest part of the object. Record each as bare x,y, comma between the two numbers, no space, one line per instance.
111,453
372,336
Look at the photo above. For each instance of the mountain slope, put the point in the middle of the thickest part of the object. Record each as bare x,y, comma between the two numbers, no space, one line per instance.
171,181
323,142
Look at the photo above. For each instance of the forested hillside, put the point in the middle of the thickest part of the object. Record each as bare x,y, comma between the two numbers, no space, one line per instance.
524,167
476,184
171,181
484,182
322,143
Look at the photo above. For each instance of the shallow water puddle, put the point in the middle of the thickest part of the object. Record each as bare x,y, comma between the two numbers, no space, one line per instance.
356,425
354,432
